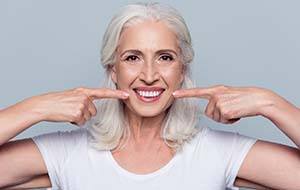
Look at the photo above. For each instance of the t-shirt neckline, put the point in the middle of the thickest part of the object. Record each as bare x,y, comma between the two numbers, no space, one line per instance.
136,176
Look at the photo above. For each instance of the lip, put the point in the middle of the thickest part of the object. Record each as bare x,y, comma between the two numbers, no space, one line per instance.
149,88
148,100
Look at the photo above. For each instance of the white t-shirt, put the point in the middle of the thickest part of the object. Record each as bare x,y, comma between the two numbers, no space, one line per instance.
209,162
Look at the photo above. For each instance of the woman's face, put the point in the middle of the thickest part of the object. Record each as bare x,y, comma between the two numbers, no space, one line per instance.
148,67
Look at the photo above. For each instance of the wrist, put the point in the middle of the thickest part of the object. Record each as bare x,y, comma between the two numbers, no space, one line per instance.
277,106
31,107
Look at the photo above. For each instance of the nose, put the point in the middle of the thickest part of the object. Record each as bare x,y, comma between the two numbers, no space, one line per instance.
149,73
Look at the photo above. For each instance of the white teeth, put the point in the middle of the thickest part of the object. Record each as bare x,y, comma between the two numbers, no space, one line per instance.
149,93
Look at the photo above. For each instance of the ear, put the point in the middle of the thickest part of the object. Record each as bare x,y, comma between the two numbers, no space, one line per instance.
113,73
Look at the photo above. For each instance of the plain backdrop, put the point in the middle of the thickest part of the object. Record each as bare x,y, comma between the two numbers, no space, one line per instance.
54,45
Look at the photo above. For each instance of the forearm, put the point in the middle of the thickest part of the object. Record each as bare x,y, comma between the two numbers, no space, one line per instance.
41,181
239,182
17,118
286,117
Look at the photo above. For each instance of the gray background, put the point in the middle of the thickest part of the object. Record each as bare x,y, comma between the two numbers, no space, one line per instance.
54,45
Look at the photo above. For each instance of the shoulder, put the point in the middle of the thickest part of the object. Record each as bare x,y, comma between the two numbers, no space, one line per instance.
62,139
219,137
211,136
75,133
220,142
58,146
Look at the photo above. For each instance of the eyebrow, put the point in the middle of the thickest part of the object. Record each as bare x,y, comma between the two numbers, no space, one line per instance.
138,52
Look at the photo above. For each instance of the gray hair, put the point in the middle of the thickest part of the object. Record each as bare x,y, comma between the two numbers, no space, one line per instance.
110,123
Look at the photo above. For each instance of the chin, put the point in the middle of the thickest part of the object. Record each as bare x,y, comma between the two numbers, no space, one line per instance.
145,111
150,110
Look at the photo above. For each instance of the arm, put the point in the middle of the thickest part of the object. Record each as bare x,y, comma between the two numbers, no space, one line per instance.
20,160
15,119
21,155
285,116
271,164
239,182
41,181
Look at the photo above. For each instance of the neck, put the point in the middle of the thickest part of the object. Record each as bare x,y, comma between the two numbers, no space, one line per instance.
144,129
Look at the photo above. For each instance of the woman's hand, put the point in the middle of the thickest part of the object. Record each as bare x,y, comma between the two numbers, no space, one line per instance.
73,105
228,104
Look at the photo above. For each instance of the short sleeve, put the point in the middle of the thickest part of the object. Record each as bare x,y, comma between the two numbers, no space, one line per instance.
241,145
56,148
234,148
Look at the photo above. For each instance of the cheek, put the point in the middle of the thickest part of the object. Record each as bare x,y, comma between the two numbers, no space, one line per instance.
173,78
126,76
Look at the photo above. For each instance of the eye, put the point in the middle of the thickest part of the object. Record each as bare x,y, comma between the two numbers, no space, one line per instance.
131,58
166,57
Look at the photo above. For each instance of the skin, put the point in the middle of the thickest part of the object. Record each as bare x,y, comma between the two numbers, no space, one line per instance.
151,61
267,165
73,106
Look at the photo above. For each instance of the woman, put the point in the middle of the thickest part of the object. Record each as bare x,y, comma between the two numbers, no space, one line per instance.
145,132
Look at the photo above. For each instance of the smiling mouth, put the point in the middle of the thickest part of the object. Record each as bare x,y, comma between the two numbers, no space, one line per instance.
147,94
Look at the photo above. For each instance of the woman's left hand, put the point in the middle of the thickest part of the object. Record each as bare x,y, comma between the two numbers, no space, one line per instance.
228,104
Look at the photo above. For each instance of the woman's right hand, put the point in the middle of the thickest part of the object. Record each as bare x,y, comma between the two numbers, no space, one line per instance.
75,106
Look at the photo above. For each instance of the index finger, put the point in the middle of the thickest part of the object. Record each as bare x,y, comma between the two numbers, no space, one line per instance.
98,93
205,93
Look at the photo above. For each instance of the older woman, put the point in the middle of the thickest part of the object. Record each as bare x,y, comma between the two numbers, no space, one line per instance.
144,132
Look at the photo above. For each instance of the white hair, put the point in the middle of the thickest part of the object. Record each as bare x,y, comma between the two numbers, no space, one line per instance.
110,123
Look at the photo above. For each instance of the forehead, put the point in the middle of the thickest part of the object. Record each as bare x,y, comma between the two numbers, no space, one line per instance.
148,35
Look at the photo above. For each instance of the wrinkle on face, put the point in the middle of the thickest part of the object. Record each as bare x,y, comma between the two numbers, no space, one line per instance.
148,42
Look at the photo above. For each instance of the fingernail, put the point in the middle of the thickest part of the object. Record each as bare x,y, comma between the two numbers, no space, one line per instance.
125,94
174,93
